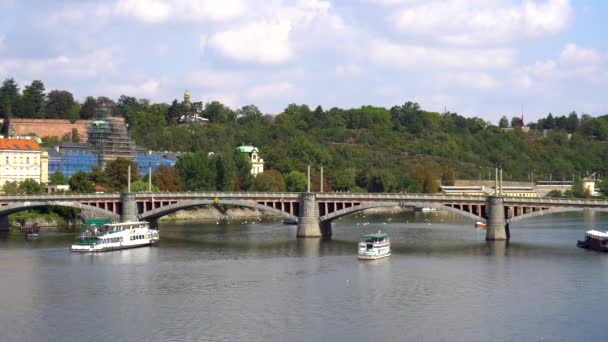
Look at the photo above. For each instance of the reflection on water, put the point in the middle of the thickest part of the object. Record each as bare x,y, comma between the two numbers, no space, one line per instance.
257,281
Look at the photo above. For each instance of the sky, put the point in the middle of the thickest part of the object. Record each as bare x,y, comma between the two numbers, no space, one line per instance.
484,58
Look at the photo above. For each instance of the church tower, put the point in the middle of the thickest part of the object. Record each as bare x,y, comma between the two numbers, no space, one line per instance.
187,103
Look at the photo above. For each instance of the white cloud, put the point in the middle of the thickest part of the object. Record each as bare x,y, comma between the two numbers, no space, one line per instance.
410,57
161,11
275,90
572,54
264,42
481,22
92,64
227,98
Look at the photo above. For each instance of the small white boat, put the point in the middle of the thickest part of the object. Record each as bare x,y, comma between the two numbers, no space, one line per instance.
595,240
374,246
426,209
113,236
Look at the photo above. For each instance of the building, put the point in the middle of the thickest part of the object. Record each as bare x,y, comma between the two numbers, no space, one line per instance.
510,190
20,159
193,112
145,159
70,158
110,139
257,163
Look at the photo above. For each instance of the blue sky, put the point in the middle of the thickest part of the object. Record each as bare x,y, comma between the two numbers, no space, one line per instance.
484,58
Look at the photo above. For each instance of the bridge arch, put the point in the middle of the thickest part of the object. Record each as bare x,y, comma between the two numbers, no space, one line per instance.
171,208
21,206
552,211
361,207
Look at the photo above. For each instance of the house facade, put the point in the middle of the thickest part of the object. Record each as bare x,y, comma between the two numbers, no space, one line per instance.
257,163
20,159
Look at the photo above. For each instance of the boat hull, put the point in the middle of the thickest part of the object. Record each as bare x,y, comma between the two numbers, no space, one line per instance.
592,245
92,249
373,257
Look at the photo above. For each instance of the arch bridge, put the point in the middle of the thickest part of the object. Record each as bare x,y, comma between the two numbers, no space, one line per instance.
314,212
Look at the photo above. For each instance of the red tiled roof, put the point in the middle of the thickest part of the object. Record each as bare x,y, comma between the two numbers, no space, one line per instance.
19,144
100,188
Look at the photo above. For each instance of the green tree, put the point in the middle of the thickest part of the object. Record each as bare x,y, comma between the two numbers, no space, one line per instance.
59,104
225,171
29,187
504,122
197,171
58,178
10,98
34,100
117,173
295,181
244,180
269,181
10,188
141,186
426,171
87,110
80,182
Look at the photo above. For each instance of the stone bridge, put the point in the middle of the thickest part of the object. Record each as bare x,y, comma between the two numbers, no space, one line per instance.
314,212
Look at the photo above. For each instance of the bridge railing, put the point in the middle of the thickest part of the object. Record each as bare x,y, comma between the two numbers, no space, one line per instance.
220,195
58,197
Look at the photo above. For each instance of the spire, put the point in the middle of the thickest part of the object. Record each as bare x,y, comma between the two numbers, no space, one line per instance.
523,123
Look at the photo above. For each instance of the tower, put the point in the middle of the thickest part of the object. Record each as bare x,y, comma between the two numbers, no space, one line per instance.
187,103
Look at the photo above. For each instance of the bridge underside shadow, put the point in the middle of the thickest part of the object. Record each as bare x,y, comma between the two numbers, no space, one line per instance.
175,207
350,210
552,211
17,207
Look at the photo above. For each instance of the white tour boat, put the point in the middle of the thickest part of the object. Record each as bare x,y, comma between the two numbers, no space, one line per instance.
374,246
112,236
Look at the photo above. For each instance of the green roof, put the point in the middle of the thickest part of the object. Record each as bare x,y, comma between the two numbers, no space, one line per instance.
374,235
247,149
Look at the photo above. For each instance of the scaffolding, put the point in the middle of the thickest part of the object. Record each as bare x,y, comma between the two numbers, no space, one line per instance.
110,139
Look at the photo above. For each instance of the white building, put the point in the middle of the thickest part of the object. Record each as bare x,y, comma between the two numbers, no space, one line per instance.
19,160
257,163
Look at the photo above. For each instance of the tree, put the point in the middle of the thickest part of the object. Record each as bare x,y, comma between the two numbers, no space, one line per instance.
426,171
167,178
249,114
58,178
10,188
504,122
141,186
117,173
447,176
244,179
80,182
269,181
29,187
225,171
516,122
196,171
87,110
10,98
34,100
295,181
217,112
59,104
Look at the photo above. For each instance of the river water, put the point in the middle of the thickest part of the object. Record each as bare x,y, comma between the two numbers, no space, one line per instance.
255,281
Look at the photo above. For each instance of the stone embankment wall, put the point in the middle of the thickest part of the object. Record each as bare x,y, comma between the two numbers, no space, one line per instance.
50,127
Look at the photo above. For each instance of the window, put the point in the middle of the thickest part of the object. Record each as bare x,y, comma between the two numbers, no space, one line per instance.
20,160
7,160
27,160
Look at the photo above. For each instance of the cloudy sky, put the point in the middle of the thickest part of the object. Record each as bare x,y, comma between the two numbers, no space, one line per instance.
483,58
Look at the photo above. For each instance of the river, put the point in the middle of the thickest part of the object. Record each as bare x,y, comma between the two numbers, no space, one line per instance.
255,281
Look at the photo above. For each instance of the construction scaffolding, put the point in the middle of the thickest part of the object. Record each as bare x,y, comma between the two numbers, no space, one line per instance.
110,139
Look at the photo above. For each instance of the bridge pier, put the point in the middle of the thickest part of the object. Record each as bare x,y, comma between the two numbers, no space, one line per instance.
308,221
497,229
129,207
